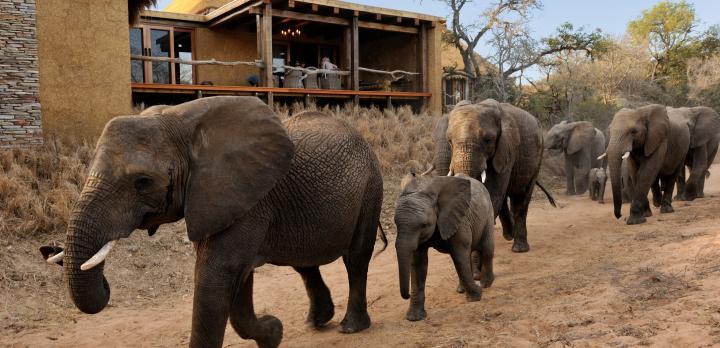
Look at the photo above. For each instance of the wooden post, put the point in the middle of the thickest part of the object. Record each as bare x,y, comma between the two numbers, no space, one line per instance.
346,63
423,62
267,48
355,64
259,44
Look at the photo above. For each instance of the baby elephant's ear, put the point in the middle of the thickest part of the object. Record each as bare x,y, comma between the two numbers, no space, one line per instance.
452,199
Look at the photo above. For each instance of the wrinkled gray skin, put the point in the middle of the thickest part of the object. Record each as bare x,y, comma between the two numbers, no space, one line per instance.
441,162
657,149
581,144
251,190
704,125
597,179
452,215
506,142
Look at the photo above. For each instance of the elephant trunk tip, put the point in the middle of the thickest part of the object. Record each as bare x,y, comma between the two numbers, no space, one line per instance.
618,214
405,294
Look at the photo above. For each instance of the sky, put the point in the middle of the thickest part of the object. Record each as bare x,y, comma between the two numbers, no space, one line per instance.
611,16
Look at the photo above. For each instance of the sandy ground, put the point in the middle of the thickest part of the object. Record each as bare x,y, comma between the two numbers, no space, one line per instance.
589,280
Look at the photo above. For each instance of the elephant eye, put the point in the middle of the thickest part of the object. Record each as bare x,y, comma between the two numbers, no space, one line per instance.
143,183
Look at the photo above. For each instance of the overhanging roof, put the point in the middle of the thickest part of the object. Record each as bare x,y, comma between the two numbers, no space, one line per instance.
232,7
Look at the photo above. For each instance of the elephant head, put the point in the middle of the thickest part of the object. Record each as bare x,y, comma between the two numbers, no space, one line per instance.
703,122
570,137
638,131
165,164
479,134
440,206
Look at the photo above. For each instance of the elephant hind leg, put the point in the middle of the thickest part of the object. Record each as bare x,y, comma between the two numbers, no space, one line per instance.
357,260
487,253
667,185
267,331
322,308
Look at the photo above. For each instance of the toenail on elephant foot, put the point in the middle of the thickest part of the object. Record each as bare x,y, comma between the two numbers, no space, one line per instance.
520,247
665,209
355,323
473,296
415,314
635,220
272,332
486,281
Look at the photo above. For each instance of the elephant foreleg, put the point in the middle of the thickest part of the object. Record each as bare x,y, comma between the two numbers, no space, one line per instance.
507,221
321,305
416,310
680,184
667,185
642,180
569,176
266,331
520,204
487,253
697,173
656,192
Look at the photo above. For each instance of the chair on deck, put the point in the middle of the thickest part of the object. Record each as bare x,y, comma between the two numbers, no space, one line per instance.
330,81
311,81
293,79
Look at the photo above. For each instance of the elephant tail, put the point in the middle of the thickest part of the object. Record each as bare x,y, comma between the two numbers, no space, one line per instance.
549,196
383,238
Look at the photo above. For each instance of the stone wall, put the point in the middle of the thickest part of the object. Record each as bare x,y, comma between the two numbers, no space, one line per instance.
19,104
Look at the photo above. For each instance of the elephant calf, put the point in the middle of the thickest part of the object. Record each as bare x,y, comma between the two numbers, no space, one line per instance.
453,215
597,179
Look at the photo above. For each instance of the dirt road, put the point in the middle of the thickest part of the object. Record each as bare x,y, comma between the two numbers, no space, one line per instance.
589,280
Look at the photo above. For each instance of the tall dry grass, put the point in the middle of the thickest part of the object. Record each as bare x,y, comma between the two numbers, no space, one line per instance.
39,185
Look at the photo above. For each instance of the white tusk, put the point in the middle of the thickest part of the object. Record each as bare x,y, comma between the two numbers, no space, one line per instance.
602,156
482,177
450,173
98,257
429,170
55,258
626,155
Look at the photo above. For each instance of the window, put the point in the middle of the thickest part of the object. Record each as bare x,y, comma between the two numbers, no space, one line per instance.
164,42
454,90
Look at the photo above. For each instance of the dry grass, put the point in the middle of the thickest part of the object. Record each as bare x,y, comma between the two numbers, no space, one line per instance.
38,187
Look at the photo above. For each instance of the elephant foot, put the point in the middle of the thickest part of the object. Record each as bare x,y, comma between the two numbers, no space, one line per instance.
601,202
648,213
520,246
321,315
665,209
570,193
272,332
701,195
507,235
487,279
460,288
635,220
415,314
355,322
473,295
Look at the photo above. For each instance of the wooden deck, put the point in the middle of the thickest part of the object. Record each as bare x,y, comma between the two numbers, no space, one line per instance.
201,90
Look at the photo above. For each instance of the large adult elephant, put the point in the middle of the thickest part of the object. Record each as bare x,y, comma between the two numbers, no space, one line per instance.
581,144
505,143
655,149
704,125
251,190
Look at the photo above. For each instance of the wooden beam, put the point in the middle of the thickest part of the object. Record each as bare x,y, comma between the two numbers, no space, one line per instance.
378,17
267,45
310,17
346,63
291,3
315,7
149,87
259,45
252,9
423,61
336,10
388,27
355,64
417,21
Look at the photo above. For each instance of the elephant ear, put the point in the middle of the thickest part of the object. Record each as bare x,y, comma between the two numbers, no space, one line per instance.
453,201
704,125
508,138
580,136
657,123
239,150
408,184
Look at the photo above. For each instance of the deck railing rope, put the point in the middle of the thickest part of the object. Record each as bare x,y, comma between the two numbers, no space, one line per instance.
395,74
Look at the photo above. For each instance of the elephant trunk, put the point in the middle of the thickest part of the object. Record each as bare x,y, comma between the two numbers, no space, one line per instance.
442,158
616,149
86,234
465,160
405,249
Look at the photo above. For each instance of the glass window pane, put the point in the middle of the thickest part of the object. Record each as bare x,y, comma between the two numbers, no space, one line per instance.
183,50
160,47
137,68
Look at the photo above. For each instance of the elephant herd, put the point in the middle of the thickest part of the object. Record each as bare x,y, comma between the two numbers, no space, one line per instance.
647,149
307,191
